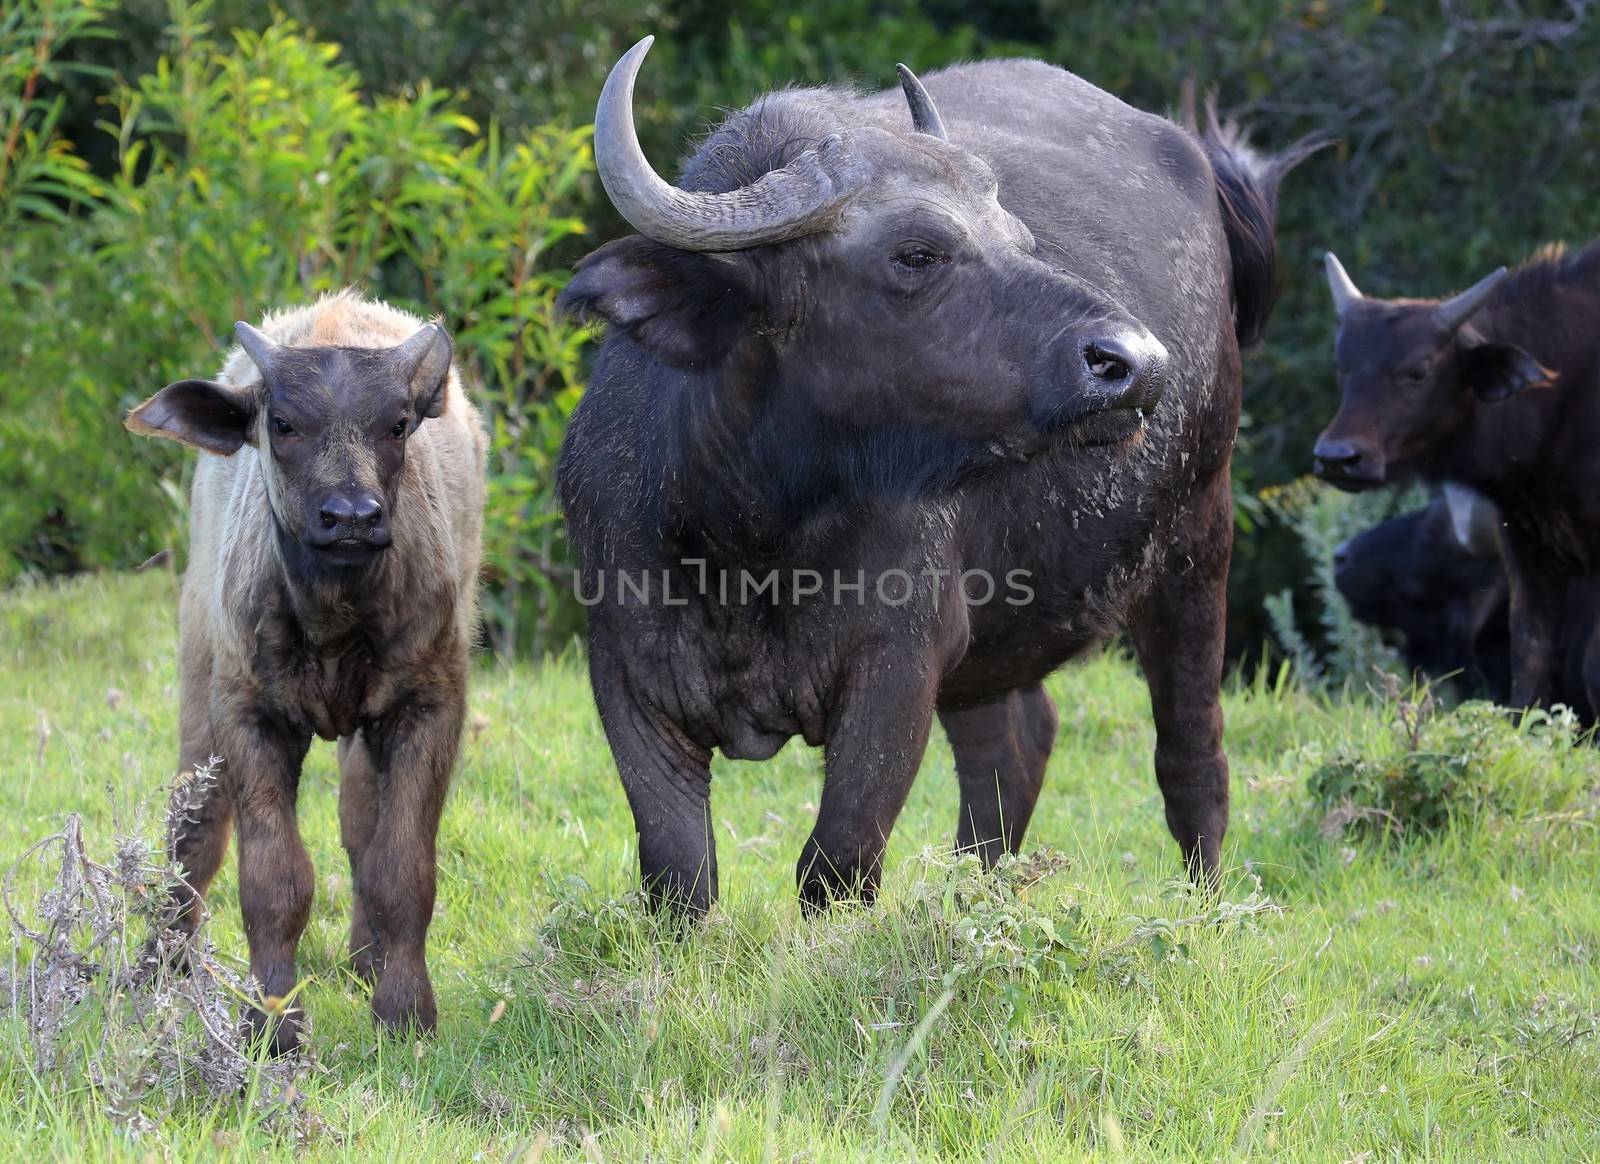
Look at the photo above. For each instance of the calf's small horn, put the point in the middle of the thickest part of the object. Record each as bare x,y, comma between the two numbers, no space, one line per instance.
924,113
261,348
1452,313
1345,291
800,199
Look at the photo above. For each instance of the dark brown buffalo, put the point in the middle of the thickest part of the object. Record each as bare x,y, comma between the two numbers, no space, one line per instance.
1496,389
901,407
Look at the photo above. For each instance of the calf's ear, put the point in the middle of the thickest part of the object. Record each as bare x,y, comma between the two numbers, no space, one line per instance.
684,308
199,413
1499,371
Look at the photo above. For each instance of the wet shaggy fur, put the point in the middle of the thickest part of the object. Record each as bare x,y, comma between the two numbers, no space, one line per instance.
793,407
272,655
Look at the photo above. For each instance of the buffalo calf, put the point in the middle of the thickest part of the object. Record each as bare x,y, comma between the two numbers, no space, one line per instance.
331,591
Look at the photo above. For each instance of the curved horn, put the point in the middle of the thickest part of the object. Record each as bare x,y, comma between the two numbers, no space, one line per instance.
261,348
800,199
1343,287
1452,313
924,113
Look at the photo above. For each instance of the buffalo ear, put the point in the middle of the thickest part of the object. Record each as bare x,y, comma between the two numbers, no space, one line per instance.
1497,371
684,308
199,413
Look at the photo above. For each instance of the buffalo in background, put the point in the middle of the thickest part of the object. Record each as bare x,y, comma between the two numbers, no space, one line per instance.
1432,581
1498,390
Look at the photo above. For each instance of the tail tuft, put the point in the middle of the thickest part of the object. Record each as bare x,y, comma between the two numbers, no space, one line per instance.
1247,193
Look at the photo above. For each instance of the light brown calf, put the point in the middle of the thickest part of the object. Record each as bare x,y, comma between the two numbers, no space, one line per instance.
334,546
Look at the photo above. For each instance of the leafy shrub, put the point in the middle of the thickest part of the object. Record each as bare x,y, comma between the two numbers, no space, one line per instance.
38,170
1439,766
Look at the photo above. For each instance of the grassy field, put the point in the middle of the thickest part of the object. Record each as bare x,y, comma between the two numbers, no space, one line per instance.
1356,997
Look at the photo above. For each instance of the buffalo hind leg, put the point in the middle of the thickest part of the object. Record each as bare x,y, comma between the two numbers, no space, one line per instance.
200,813
1178,632
875,743
358,820
1001,748
264,754
413,750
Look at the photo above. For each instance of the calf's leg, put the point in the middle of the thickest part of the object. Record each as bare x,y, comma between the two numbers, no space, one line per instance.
1001,748
358,820
413,750
875,740
264,753
1178,632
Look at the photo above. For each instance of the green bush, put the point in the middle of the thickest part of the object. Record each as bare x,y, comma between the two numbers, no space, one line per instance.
1438,766
255,174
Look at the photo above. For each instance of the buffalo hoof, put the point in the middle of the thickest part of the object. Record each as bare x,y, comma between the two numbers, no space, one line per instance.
274,1027
404,1008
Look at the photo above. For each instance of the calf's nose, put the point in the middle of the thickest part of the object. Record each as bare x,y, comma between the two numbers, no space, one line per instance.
361,511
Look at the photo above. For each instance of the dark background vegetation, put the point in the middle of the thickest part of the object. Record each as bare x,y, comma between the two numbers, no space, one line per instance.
440,158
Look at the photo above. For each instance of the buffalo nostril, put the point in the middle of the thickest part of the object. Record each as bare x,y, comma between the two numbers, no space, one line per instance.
1108,361
366,511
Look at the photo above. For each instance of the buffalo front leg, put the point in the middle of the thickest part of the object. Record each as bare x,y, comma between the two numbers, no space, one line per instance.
1178,633
262,755
413,750
1538,614
358,820
875,741
667,779
1001,748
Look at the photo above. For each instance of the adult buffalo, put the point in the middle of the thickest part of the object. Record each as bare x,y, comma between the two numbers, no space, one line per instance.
1496,389
895,414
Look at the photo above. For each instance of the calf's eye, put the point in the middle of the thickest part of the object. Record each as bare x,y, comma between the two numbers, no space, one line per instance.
282,427
399,429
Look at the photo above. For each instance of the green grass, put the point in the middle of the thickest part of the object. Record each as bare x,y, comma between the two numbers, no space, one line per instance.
1435,997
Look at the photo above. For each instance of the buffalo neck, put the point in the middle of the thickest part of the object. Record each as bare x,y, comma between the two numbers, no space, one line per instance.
757,471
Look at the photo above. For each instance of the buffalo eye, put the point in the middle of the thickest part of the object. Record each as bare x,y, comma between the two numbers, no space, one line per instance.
282,427
399,429
919,258
1416,373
